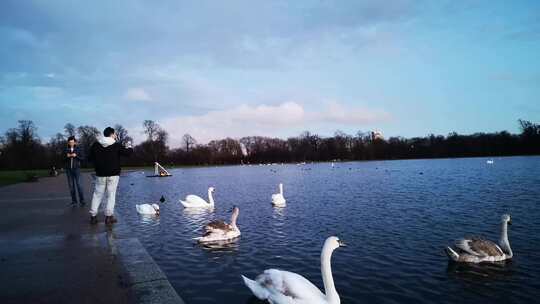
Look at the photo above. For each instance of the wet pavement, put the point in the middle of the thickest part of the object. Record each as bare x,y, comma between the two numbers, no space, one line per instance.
49,253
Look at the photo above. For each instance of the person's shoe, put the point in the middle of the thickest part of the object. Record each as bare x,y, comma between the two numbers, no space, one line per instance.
93,220
73,204
109,220
83,204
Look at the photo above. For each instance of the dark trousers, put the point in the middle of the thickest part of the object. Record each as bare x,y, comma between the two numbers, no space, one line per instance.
74,182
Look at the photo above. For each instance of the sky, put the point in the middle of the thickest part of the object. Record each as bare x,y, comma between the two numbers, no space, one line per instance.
217,69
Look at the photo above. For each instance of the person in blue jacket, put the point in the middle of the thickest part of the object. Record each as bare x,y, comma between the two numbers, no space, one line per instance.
73,158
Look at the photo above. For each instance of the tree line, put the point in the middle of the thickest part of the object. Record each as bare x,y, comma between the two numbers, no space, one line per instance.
22,148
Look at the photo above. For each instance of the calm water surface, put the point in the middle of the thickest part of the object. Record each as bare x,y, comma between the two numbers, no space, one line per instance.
396,217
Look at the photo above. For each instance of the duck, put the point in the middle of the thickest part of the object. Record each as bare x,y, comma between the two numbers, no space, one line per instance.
148,209
219,230
162,199
277,199
194,201
479,250
280,287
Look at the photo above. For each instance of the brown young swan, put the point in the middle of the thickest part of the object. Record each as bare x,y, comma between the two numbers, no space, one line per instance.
477,250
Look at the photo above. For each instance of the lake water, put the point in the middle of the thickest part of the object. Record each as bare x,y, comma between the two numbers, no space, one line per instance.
396,217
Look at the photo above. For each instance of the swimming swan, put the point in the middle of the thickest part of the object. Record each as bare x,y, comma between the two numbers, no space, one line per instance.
280,287
278,199
194,201
221,231
477,250
148,209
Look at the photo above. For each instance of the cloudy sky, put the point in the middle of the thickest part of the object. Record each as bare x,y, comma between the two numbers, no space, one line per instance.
233,68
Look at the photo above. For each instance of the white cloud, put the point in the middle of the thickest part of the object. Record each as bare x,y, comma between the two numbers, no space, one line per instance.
337,113
46,93
137,94
266,120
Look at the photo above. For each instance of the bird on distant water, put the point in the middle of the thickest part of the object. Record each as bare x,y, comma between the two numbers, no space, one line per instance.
478,250
162,199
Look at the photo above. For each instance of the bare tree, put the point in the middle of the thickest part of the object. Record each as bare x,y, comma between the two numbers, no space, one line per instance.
87,136
122,134
69,130
155,147
22,146
151,129
188,142
27,132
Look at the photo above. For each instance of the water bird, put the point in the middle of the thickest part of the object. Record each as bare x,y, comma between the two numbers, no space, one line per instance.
278,199
490,161
148,209
478,250
162,199
278,286
194,201
219,230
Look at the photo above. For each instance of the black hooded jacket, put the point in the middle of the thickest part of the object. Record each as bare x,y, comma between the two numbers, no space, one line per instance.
106,156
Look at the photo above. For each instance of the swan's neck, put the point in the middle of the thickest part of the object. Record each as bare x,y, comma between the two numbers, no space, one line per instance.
328,280
234,216
210,198
503,242
281,189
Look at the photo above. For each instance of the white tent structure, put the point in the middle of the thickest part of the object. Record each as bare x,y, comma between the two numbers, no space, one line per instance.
159,171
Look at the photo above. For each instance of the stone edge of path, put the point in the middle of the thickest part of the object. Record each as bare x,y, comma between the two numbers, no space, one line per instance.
146,281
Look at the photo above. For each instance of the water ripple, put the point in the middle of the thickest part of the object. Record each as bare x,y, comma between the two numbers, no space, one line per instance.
395,220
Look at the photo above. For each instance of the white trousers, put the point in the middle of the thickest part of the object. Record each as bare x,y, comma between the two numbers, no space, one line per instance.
104,185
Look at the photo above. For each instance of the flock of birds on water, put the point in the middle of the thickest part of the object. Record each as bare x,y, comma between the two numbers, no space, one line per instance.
284,287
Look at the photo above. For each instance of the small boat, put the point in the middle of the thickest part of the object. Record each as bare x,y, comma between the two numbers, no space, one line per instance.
490,161
159,171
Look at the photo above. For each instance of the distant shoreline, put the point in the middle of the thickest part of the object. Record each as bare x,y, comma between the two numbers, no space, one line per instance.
9,177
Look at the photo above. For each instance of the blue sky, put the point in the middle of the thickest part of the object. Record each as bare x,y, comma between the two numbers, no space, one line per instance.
274,68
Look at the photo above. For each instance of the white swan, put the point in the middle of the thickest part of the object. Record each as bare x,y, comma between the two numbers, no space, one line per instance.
220,231
477,250
148,209
278,199
280,287
194,201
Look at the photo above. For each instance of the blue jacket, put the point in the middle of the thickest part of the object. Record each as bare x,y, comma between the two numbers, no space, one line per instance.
73,162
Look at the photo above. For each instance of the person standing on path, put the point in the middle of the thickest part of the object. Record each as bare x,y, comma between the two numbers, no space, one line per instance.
105,154
73,159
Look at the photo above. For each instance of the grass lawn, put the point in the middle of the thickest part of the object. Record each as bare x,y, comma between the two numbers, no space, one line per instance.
8,177
17,176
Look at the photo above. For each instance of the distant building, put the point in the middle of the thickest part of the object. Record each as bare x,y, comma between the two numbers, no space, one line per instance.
377,135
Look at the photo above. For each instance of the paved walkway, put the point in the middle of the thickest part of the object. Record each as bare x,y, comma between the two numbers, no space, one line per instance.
49,253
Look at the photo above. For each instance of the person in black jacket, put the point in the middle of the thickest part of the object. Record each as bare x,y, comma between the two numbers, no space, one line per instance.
105,154
73,157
